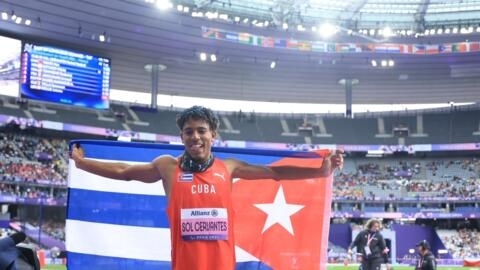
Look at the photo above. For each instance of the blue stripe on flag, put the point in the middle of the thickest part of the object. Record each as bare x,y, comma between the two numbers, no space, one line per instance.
80,261
252,266
117,208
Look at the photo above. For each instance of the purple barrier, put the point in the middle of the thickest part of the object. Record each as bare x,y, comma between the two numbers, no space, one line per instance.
34,201
45,239
398,215
416,234
340,234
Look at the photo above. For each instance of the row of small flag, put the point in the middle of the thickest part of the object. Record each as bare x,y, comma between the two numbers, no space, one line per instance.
329,47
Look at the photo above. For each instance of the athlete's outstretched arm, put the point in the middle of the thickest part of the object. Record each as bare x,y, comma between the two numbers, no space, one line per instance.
240,169
148,173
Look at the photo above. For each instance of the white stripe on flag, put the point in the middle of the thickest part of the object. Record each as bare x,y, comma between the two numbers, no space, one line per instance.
142,243
84,180
244,256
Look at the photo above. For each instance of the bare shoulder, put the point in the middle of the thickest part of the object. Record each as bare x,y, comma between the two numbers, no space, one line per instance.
233,164
165,162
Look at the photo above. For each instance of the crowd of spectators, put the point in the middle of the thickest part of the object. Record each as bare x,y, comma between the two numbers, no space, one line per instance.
415,179
31,165
463,244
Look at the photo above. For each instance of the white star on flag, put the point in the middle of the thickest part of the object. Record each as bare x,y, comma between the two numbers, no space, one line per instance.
279,211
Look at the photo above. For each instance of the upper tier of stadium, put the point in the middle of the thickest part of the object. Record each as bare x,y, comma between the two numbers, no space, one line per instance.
433,68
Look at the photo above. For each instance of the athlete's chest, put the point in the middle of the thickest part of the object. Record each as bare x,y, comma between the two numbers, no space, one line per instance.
211,182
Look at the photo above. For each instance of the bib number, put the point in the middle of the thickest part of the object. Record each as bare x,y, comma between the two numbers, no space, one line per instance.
204,224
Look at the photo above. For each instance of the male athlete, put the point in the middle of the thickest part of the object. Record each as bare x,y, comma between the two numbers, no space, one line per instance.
198,187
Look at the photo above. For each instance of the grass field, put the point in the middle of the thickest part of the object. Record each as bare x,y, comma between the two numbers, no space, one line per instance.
331,267
54,267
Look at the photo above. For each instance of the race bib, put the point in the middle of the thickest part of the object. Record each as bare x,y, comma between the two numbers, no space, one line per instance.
368,251
204,224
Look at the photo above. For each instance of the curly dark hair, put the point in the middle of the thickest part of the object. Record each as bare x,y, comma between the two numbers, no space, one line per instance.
372,222
198,113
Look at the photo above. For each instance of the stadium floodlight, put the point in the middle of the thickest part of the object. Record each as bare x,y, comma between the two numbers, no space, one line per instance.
4,16
327,30
371,32
409,32
273,64
254,22
439,31
266,23
447,30
18,20
164,4
383,63
374,63
236,19
470,29
478,29
213,58
28,22
203,57
285,26
186,9
387,32
391,63
245,20
179,8
314,29
102,37
223,16
455,30
300,28
13,17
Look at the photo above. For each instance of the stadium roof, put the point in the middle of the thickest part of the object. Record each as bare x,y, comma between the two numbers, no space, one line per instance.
137,34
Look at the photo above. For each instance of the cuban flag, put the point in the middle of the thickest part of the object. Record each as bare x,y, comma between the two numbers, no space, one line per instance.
123,224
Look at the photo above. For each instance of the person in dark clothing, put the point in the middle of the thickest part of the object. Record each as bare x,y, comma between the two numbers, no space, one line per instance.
371,247
427,260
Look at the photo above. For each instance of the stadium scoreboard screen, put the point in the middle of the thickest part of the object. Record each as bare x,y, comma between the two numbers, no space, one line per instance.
63,76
